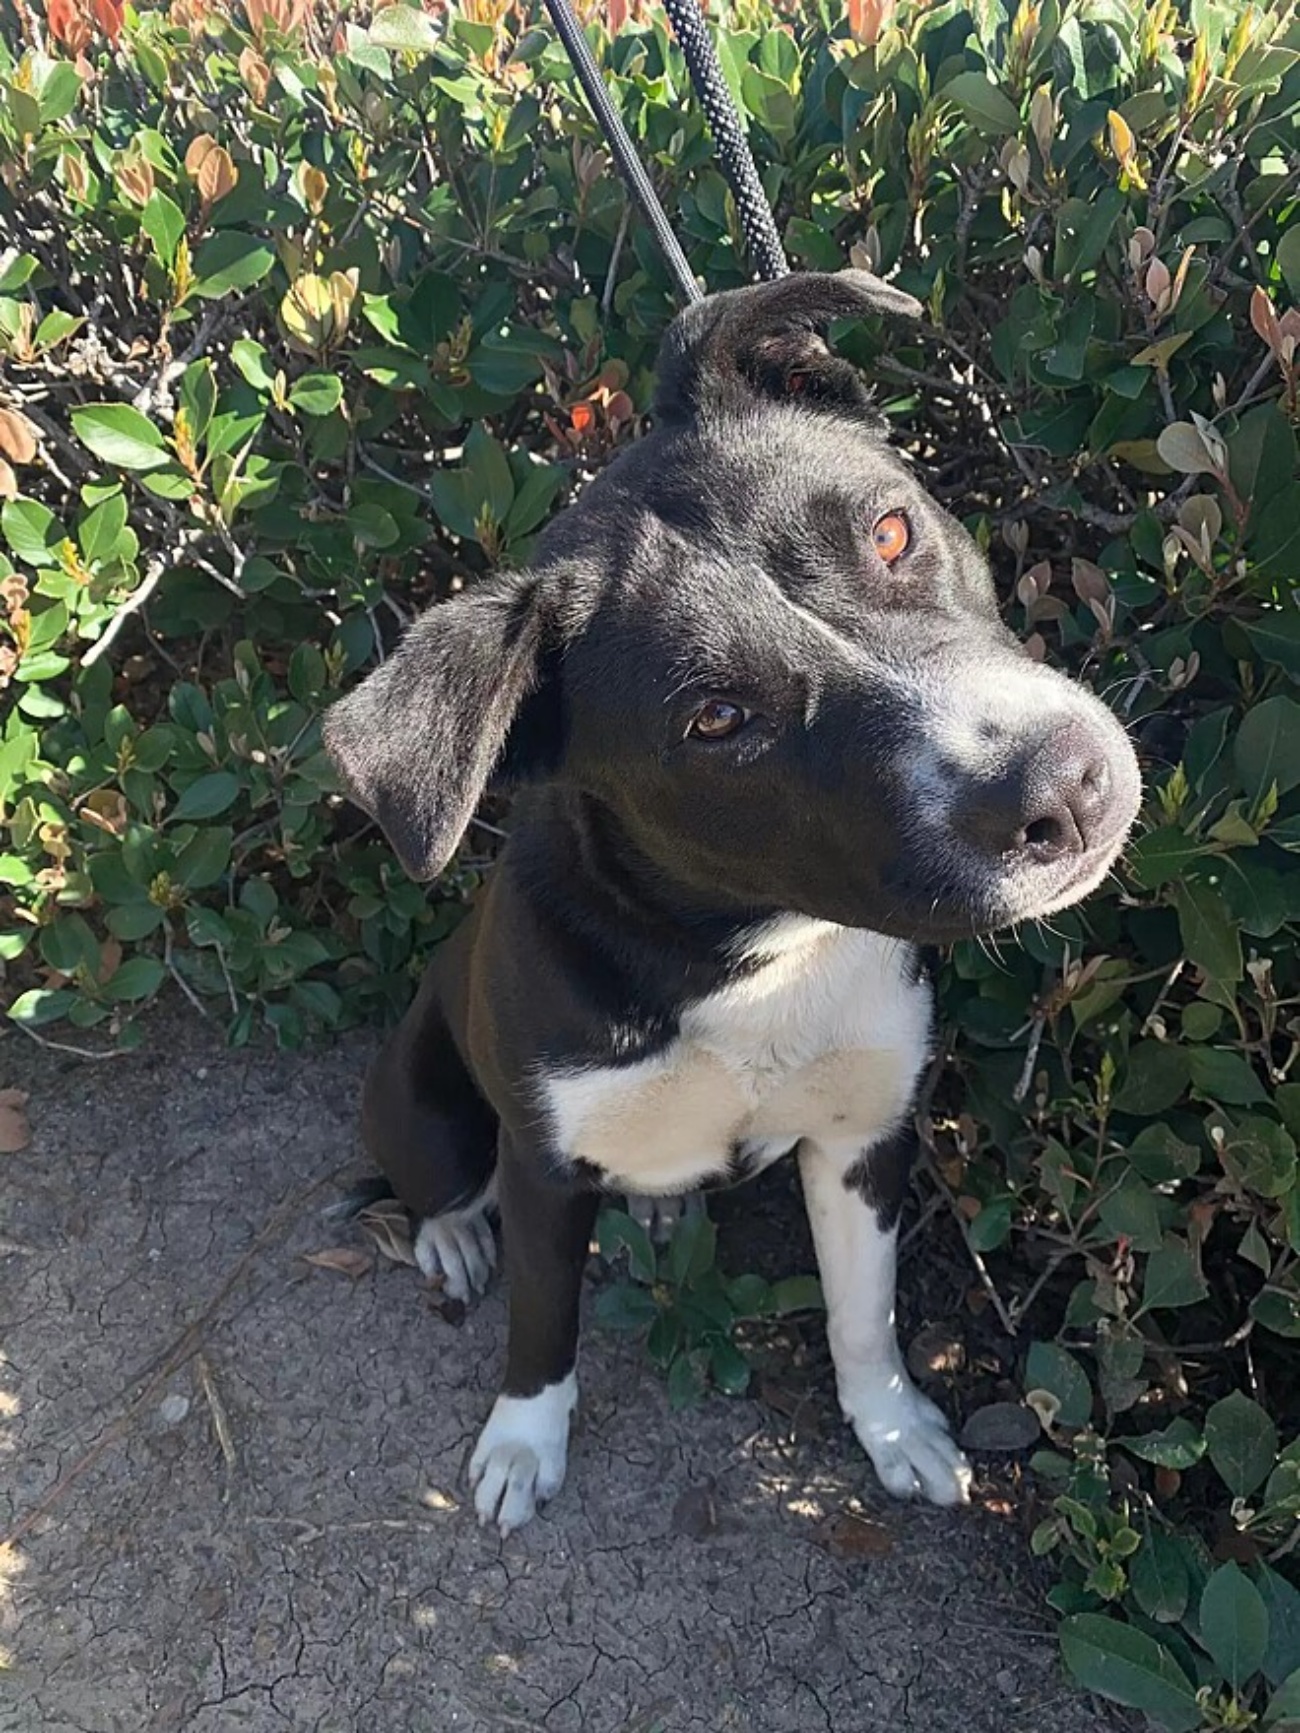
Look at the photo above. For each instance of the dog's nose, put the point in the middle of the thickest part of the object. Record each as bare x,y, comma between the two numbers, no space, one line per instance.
1049,806
1067,788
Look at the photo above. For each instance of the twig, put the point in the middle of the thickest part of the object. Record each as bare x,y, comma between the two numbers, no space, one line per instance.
1021,1089
611,276
927,1156
220,1419
66,1047
134,602
169,963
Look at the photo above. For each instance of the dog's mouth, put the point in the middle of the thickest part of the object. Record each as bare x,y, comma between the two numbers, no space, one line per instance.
960,879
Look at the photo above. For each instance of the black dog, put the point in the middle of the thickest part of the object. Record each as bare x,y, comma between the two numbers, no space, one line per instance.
770,734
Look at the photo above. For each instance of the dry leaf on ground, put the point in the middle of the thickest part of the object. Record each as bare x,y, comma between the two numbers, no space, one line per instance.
345,1259
850,1536
389,1225
14,1131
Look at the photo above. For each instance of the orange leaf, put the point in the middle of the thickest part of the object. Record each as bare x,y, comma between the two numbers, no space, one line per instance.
108,15
197,152
256,74
868,20
17,436
217,175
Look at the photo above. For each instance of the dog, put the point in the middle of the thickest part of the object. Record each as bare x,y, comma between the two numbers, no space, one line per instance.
768,737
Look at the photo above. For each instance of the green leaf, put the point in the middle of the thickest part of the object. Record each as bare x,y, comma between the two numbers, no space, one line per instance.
489,470
1267,747
1126,1666
229,261
1282,1600
1159,1155
1242,1442
1172,1278
1210,936
41,1005
406,28
32,531
750,1296
1180,1445
730,1369
137,978
1234,1624
1225,1077
1283,1712
1162,855
250,358
316,393
1288,260
685,1385
1158,1075
626,1308
121,435
796,1294
983,104
1050,1368
617,1231
205,858
1276,635
100,530
207,796
15,269
1278,1310
691,1250
1159,1578
1131,1212
164,222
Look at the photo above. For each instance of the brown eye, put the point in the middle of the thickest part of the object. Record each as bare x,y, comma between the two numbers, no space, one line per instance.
891,535
717,719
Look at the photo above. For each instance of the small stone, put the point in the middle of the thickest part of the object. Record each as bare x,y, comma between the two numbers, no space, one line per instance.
173,1409
1001,1426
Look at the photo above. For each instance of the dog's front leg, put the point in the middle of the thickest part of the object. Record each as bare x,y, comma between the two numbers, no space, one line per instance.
853,1197
520,1457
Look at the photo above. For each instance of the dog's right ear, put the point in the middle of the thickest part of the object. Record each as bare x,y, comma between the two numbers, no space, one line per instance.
767,343
418,741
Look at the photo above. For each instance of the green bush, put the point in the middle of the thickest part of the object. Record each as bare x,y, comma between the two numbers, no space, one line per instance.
308,319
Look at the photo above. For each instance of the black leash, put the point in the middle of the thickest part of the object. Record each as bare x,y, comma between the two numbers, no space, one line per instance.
616,135
734,156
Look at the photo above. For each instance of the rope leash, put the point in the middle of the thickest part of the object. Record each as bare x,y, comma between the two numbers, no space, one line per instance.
734,156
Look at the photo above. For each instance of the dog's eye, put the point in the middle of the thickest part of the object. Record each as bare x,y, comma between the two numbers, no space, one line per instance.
891,535
717,719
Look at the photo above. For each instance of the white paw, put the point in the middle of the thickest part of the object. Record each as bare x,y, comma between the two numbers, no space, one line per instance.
461,1248
660,1216
520,1458
908,1441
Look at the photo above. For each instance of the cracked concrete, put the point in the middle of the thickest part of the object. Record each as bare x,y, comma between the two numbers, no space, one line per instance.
322,1574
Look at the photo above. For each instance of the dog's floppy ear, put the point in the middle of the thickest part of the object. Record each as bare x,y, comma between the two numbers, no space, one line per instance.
419,739
768,342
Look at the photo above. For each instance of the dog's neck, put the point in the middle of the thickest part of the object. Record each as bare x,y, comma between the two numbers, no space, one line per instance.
594,874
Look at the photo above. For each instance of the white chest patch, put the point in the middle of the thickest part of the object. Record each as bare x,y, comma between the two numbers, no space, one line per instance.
824,1041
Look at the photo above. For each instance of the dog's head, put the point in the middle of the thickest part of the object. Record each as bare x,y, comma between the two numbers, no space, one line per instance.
769,654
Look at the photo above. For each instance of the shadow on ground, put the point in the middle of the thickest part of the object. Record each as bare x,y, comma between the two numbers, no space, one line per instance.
240,1477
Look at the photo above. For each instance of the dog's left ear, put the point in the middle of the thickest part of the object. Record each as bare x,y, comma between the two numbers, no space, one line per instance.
769,342
462,700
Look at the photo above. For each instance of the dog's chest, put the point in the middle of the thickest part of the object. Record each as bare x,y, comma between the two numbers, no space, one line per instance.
824,1042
